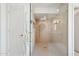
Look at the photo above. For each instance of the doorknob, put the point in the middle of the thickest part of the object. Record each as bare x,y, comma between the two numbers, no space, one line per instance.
21,35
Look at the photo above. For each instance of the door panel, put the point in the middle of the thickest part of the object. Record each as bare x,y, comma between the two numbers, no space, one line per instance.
17,18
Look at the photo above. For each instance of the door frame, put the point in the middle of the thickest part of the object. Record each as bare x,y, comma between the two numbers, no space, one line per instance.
70,30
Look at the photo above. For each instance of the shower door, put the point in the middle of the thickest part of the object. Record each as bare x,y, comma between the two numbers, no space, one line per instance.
50,29
18,27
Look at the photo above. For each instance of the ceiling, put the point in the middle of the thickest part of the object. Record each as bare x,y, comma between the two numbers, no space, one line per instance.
51,8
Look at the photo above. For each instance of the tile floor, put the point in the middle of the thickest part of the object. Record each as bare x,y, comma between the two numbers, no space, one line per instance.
51,49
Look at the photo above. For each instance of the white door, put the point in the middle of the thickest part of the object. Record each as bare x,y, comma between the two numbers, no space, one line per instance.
17,29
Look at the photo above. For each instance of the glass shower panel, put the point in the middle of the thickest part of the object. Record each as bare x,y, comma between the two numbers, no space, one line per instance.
50,29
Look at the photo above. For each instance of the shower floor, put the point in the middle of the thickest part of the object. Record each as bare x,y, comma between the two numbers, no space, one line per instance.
51,49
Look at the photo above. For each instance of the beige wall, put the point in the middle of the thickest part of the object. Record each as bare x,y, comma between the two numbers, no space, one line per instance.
64,28
60,35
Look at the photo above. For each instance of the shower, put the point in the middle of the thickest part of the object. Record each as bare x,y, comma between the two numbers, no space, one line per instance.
50,29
